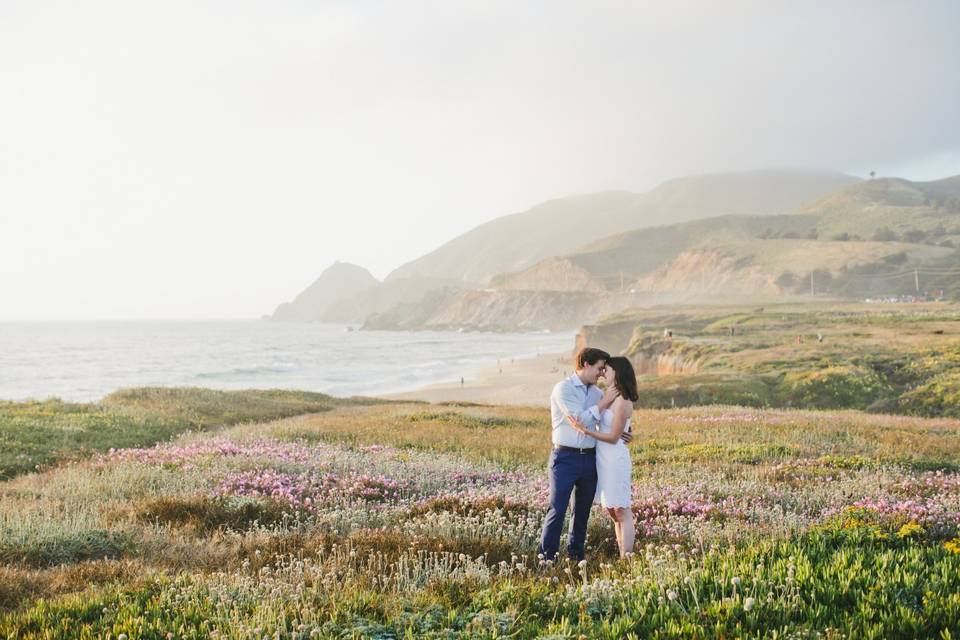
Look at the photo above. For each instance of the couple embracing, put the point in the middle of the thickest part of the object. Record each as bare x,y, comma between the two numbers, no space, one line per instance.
590,459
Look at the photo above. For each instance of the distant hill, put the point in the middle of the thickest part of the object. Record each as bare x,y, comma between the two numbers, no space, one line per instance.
558,227
624,257
862,224
348,293
324,299
770,267
891,209
744,236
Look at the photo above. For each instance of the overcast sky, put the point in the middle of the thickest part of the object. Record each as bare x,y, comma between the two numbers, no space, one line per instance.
209,159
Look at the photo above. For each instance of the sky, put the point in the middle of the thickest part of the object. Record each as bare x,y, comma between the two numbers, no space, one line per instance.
205,159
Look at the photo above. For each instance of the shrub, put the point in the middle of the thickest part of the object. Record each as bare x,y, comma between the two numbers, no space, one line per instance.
939,396
885,234
835,387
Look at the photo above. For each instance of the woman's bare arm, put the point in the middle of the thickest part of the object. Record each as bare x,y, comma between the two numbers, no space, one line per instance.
620,416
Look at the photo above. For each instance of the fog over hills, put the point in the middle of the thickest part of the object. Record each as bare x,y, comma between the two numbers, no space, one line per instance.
557,227
749,235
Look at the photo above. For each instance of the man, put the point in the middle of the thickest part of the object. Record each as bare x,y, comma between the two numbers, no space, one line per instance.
573,462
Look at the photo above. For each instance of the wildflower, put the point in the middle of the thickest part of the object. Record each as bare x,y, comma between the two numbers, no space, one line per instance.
582,564
748,604
909,530
671,595
122,636
953,546
735,581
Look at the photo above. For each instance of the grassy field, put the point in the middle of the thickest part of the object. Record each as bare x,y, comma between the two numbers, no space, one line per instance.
421,521
34,435
884,358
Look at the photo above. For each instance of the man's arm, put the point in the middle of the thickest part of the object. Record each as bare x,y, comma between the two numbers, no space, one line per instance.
568,398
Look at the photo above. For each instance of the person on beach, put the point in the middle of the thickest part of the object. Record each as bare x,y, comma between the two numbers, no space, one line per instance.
573,465
614,468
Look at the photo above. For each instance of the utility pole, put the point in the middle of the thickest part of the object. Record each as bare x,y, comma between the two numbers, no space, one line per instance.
811,283
916,279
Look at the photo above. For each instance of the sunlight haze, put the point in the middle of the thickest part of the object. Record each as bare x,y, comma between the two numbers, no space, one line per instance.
210,159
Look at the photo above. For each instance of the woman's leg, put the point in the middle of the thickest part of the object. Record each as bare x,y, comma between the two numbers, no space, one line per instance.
618,532
627,532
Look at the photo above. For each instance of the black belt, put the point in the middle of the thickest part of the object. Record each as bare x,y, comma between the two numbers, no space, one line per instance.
582,451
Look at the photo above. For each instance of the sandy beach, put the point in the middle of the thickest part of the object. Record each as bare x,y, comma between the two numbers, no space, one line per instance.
518,381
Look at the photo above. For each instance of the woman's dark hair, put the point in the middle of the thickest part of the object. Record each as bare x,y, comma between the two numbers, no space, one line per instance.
626,379
589,355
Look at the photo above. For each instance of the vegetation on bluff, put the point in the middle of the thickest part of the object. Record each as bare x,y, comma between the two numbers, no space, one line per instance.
889,358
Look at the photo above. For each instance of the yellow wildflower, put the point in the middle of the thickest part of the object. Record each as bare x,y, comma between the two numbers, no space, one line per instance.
909,530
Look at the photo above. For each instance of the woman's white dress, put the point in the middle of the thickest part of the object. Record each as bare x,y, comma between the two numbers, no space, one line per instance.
613,468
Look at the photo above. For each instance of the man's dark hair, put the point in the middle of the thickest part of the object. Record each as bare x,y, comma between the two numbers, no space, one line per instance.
589,355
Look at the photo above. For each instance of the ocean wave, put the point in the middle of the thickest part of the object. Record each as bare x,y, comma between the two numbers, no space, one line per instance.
245,371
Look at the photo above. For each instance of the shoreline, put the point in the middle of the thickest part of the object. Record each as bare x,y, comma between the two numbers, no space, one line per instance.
515,381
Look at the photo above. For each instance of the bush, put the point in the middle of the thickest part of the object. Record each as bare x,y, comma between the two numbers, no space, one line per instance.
786,280
914,235
689,391
836,387
885,234
939,396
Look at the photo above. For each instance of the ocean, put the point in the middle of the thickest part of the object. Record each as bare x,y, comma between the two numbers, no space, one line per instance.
85,361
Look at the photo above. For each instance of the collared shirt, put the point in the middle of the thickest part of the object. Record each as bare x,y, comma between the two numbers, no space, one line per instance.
575,398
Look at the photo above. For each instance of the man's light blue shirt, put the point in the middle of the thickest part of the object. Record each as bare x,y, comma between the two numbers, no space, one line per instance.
574,397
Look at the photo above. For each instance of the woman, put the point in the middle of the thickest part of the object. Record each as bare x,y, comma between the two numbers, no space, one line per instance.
613,458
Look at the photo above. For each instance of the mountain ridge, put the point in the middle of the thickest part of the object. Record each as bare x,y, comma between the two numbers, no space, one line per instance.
752,249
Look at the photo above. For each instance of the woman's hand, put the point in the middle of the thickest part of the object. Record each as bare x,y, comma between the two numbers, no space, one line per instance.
609,396
577,425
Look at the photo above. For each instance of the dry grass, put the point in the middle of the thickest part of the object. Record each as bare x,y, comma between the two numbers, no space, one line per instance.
506,435
703,433
18,584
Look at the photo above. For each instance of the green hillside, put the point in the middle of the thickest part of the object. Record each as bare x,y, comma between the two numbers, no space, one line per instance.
892,209
891,358
641,251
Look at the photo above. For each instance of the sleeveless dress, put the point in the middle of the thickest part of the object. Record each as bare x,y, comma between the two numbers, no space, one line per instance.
613,468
